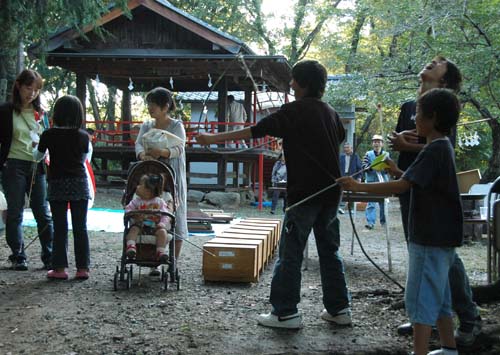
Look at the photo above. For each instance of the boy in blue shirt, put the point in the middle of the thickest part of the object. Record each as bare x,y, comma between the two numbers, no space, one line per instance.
435,225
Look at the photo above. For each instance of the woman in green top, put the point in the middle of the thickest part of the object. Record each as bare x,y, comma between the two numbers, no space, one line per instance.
21,175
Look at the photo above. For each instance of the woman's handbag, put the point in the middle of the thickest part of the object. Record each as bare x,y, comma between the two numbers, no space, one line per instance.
160,139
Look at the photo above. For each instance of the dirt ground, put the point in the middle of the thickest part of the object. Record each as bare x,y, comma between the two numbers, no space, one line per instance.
39,316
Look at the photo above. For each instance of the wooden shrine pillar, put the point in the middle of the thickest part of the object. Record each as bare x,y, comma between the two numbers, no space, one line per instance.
125,120
126,116
81,93
222,105
248,105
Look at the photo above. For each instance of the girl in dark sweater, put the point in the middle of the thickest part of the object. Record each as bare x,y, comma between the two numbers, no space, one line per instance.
67,146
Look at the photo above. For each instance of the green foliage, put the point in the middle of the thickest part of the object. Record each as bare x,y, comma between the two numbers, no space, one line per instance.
397,38
381,44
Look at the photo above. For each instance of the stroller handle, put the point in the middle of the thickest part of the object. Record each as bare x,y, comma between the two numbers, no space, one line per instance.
131,214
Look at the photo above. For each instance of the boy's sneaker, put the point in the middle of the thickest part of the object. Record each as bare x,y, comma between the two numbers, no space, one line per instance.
369,226
20,265
464,338
292,321
131,251
343,317
443,351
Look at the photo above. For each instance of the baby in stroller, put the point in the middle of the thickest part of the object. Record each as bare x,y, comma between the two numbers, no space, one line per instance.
145,219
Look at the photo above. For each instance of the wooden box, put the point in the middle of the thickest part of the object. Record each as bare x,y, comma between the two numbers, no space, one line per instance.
261,258
265,241
254,231
235,263
275,228
275,222
468,178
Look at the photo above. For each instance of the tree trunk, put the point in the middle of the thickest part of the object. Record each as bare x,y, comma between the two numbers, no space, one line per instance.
360,21
8,54
110,108
95,109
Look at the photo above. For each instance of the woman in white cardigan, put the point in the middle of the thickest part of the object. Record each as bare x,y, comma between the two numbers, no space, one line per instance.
160,104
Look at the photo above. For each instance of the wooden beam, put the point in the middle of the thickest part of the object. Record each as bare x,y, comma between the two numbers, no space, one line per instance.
192,26
222,104
71,34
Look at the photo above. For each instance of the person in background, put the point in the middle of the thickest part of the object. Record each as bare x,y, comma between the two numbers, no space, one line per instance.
278,179
236,114
312,133
349,164
439,73
160,106
435,224
21,175
374,176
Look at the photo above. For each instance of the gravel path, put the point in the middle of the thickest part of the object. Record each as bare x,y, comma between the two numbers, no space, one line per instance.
46,317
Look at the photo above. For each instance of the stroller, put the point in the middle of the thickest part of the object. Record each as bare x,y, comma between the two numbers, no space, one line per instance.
146,247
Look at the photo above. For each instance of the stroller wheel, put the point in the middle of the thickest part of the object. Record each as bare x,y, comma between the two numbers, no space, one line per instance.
128,279
165,282
131,273
177,279
116,279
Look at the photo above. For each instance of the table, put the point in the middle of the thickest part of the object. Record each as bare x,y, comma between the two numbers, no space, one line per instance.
362,197
365,197
474,219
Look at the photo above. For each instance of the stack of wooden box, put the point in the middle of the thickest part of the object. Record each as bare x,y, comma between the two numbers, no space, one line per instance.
242,251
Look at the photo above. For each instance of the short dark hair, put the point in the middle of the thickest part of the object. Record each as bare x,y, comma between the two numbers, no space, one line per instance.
27,77
310,75
452,79
153,182
230,98
68,112
442,104
161,97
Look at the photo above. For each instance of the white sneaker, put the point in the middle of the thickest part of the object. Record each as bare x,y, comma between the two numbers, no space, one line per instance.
468,338
343,317
443,352
293,321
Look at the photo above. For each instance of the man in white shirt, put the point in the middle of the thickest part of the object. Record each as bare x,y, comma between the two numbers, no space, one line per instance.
236,114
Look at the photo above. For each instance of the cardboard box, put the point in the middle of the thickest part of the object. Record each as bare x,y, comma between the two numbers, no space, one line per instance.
235,263
468,178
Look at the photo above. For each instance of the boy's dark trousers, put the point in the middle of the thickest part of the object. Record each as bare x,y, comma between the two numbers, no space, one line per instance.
285,285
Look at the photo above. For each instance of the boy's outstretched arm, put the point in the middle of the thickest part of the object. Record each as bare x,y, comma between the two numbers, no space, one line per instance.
382,188
210,138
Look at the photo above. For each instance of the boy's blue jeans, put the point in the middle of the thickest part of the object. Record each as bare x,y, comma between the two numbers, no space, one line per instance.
285,285
16,184
371,212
